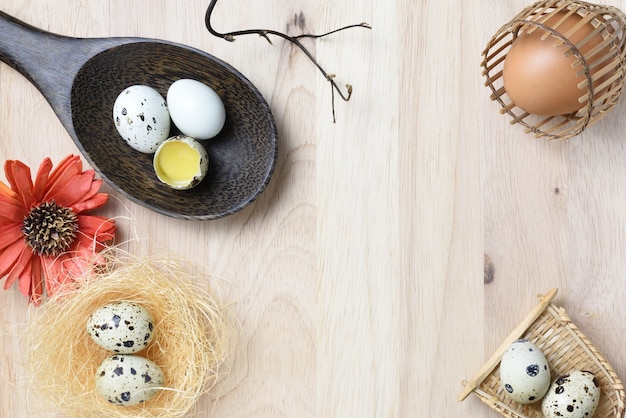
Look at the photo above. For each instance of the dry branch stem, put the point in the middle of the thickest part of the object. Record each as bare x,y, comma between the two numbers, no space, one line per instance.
265,33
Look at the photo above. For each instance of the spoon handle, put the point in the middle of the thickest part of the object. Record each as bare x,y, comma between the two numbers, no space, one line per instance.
38,55
49,61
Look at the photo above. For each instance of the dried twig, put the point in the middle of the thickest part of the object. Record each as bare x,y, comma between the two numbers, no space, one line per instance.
265,33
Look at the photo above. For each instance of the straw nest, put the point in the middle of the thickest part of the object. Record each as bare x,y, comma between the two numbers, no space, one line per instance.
192,339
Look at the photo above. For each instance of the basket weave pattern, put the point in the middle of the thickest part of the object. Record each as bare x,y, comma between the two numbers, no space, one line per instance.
609,23
566,349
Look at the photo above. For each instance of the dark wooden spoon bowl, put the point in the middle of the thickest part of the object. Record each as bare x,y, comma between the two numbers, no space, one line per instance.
82,77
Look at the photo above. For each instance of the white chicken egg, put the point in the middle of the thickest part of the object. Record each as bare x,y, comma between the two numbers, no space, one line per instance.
128,380
122,327
195,108
574,395
524,372
141,117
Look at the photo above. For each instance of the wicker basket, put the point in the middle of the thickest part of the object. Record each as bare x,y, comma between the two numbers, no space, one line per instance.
565,348
609,23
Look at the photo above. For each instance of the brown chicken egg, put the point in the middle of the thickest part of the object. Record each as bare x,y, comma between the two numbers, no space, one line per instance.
543,77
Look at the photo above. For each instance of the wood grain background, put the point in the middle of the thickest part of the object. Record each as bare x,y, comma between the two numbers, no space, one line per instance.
357,277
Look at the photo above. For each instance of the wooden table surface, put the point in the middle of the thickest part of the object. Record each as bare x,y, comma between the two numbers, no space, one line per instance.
357,276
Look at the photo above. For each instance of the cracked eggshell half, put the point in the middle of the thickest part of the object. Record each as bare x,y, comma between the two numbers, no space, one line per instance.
181,162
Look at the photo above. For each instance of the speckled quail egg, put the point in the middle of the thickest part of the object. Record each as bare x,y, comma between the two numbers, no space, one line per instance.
122,327
524,372
127,379
141,117
574,395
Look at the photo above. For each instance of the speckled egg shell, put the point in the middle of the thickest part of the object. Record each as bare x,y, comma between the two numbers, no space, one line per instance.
574,395
121,327
128,380
524,372
141,117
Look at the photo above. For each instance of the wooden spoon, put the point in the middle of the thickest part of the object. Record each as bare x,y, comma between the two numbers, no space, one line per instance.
82,77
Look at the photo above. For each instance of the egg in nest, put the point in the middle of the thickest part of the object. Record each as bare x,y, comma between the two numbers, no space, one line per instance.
128,380
121,327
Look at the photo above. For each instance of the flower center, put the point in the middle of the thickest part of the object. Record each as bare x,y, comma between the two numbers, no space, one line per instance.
50,229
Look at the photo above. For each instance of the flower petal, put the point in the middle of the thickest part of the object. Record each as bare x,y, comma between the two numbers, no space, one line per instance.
63,271
94,231
18,268
76,267
6,190
62,175
66,163
11,210
91,224
95,202
36,288
25,278
9,234
74,191
94,185
10,255
18,175
41,179
52,272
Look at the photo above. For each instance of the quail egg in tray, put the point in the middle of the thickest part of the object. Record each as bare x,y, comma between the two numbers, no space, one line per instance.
573,362
241,156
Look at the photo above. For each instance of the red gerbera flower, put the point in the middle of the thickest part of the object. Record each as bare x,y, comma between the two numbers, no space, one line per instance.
45,235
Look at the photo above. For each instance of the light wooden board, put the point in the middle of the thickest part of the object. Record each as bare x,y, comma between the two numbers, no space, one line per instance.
357,277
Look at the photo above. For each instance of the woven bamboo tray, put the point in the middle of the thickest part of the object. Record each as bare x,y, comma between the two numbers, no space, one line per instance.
565,347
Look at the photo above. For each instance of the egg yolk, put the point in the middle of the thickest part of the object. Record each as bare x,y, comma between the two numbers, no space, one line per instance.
179,161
